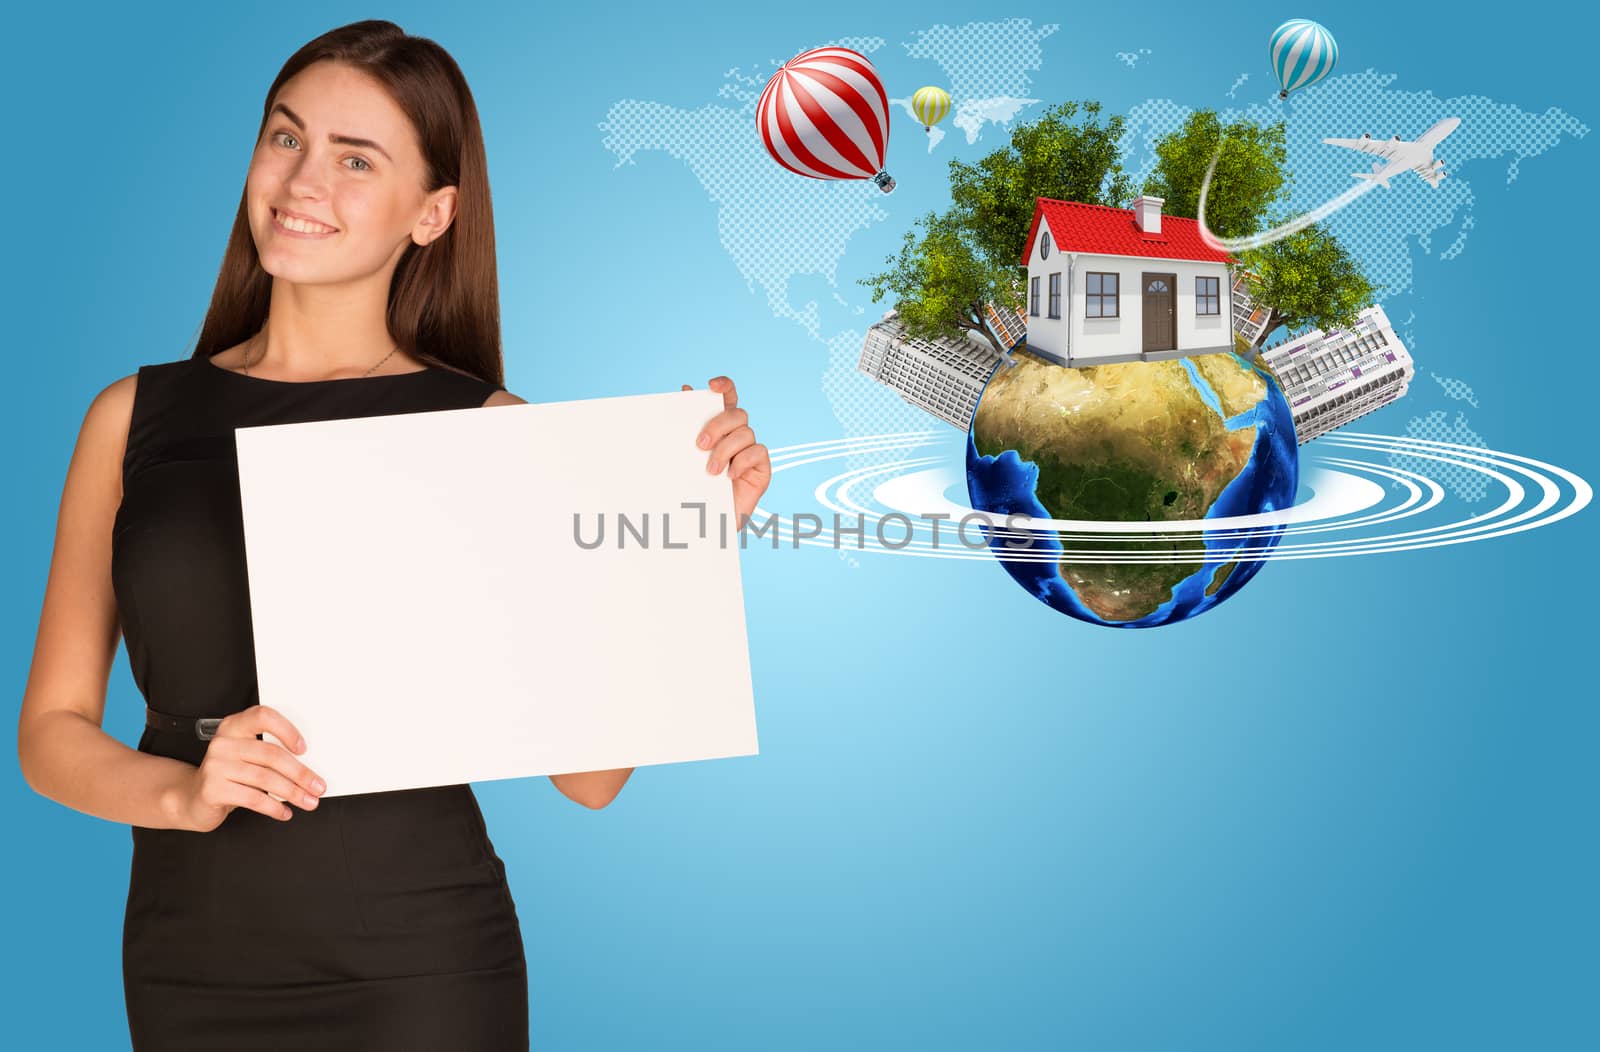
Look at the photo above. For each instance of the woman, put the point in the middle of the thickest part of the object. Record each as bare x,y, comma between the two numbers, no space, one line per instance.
359,280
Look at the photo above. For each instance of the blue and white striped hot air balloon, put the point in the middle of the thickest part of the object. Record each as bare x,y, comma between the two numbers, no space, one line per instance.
1302,53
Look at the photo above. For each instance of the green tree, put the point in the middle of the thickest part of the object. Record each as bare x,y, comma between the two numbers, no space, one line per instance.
940,282
1053,156
1307,280
1249,178
971,255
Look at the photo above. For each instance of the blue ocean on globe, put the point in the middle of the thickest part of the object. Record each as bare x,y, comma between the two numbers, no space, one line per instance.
1208,437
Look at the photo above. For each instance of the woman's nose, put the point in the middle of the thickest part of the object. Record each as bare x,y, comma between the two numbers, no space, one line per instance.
306,178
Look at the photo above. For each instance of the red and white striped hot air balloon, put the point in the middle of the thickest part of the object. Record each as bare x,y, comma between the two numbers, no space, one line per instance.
824,115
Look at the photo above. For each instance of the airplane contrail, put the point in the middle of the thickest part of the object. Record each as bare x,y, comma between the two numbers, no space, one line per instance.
1277,233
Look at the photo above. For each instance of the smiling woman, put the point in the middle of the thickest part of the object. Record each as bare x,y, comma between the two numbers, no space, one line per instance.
359,279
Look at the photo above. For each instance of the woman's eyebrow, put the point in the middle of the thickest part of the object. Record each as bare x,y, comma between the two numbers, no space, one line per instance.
345,140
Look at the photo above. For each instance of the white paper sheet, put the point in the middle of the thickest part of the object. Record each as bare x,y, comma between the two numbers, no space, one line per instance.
425,616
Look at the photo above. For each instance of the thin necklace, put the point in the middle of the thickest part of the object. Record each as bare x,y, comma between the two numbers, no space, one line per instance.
363,375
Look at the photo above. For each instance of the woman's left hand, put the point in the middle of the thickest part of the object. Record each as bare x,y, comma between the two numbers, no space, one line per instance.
733,445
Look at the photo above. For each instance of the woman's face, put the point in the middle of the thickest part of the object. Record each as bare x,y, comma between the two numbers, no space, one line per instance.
364,199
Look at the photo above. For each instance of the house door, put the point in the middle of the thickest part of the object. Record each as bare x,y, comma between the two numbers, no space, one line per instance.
1160,306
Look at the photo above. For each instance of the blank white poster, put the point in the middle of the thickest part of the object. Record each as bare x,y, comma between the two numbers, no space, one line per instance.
430,606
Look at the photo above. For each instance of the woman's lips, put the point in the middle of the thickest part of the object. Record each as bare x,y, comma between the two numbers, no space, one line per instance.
280,228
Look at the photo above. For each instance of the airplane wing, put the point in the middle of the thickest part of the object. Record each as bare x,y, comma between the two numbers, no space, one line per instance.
1434,135
1429,173
1377,147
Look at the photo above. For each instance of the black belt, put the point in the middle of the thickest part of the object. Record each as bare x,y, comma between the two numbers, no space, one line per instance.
202,727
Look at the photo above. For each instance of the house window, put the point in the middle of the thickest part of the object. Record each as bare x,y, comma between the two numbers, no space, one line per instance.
1044,245
1100,295
1055,295
1033,298
1207,296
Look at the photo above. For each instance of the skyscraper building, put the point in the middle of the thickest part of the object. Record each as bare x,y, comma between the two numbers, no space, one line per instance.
1007,323
1249,317
943,377
1333,378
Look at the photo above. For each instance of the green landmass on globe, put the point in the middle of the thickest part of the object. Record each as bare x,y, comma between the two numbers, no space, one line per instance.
1137,442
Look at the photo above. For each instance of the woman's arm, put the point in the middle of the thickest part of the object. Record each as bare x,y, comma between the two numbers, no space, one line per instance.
593,789
63,752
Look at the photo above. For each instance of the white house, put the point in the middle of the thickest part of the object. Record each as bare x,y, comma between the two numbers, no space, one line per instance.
1123,285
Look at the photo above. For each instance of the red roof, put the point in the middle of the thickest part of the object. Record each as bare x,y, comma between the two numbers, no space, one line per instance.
1077,227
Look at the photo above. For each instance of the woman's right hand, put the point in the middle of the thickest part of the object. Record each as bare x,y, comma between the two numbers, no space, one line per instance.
239,770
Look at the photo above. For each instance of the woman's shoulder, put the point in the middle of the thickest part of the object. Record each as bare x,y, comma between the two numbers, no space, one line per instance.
107,423
486,392
139,389
143,401
151,374
114,403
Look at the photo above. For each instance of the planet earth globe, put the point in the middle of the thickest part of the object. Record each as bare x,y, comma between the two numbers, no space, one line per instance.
1207,437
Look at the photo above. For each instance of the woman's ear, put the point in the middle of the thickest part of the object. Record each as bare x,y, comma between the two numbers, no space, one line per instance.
441,212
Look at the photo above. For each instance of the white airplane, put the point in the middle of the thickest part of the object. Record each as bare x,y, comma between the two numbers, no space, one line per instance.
1396,155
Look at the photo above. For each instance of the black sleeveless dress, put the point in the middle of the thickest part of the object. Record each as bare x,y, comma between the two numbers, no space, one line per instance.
374,921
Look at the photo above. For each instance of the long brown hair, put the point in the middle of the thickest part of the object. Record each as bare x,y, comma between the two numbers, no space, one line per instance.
444,300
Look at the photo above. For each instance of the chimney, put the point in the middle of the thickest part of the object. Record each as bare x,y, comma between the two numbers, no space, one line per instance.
1147,214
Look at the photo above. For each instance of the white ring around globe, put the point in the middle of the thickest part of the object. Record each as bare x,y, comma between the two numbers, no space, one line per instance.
1334,494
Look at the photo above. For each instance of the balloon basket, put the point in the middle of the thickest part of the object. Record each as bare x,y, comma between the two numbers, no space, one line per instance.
883,181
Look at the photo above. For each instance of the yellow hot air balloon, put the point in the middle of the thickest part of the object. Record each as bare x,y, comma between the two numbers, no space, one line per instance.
930,104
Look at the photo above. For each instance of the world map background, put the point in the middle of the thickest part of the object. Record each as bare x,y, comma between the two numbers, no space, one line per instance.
1346,810
990,69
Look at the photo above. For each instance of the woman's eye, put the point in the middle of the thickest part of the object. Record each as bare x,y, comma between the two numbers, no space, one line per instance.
366,164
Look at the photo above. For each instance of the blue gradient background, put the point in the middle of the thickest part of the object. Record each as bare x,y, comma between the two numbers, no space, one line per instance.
1352,808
